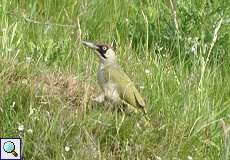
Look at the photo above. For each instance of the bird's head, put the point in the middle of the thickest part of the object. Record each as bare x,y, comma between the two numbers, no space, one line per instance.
105,52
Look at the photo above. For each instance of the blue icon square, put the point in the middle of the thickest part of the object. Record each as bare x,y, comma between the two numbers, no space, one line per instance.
10,149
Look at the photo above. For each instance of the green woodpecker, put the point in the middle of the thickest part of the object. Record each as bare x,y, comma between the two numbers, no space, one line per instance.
115,84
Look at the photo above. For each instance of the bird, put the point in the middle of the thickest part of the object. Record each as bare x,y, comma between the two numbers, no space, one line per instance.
116,86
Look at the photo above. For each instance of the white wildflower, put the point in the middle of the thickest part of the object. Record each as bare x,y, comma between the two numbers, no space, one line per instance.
67,148
13,105
158,158
160,49
147,71
48,114
30,131
20,127
31,111
24,81
142,87
28,59
189,158
138,126
9,49
194,48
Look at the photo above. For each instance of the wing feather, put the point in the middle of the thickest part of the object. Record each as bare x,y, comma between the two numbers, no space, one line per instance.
126,89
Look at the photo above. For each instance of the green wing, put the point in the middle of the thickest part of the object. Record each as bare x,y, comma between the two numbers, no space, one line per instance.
126,89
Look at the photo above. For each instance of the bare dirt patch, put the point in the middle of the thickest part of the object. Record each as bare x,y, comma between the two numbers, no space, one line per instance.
65,88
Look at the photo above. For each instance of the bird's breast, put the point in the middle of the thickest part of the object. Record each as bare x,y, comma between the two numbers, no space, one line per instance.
100,78
109,88
104,83
111,92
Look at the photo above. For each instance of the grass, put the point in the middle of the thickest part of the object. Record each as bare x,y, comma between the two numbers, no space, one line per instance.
47,78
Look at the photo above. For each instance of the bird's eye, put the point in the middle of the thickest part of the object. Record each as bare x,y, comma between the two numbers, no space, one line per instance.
104,48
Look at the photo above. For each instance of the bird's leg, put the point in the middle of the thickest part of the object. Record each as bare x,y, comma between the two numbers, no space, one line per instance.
100,98
120,108
129,108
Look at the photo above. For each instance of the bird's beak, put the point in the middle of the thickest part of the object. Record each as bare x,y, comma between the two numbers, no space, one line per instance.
90,45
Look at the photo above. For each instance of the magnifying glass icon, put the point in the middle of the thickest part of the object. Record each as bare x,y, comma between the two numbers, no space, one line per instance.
9,147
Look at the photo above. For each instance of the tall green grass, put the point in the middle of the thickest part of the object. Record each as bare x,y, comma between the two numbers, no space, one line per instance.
180,63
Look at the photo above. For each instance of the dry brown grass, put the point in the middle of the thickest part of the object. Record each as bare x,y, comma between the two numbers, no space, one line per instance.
64,88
